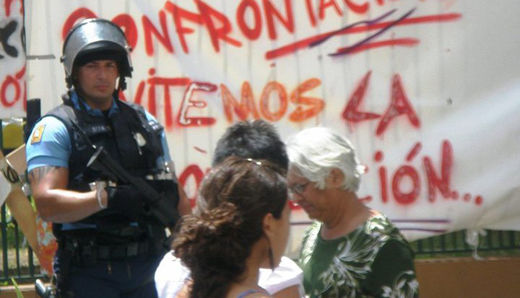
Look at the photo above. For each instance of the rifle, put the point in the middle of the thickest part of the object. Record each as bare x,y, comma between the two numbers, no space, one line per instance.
160,207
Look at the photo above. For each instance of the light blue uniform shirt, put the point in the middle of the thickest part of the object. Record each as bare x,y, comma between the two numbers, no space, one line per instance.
49,144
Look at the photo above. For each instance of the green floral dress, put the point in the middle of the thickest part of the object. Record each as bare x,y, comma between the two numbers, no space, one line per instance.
372,261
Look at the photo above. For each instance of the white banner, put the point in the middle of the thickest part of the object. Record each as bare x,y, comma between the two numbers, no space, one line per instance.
427,90
12,60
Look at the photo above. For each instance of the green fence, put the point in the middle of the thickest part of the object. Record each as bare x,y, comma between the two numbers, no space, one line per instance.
490,243
18,260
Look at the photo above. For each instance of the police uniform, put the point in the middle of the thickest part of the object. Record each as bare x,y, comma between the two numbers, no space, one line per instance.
107,254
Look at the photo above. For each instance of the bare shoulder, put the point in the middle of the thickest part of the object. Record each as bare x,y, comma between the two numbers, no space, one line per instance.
259,295
289,292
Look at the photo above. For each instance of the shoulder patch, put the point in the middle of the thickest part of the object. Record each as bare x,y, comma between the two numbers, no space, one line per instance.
37,134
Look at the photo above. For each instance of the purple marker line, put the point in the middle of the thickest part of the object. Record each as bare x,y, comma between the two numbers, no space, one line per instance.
346,50
439,231
339,31
443,221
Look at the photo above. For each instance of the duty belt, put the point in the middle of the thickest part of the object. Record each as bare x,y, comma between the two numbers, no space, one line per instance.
115,252
89,253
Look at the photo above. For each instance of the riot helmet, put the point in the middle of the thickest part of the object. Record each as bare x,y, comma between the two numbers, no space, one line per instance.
96,39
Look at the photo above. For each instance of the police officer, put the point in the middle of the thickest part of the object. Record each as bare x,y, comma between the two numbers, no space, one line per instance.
109,243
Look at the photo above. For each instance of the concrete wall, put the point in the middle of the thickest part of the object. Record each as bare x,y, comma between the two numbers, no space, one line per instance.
466,277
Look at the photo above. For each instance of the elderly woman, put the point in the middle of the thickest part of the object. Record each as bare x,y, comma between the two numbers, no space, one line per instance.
350,250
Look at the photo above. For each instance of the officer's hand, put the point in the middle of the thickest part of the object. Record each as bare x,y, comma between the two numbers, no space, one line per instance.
125,199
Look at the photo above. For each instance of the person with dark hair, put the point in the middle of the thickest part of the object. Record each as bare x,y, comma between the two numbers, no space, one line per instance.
240,139
244,224
109,239
349,250
256,139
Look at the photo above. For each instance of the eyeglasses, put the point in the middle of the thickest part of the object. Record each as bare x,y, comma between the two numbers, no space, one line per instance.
298,188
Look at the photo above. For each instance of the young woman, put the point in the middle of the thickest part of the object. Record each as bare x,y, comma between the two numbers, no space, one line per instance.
241,223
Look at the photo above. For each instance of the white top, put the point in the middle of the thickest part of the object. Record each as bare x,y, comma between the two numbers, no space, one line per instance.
171,275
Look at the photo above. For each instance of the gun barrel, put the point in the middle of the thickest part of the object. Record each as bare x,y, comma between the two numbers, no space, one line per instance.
42,290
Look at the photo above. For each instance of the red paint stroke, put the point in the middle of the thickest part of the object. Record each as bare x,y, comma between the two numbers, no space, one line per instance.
292,47
20,90
379,156
209,16
415,150
357,8
200,149
366,199
307,107
179,14
455,195
78,14
242,109
9,82
195,172
7,7
271,13
189,102
384,184
20,73
406,198
351,112
442,181
406,42
242,19
399,105
162,36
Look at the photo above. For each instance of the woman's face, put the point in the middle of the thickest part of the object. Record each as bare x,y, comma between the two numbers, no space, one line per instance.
281,235
304,193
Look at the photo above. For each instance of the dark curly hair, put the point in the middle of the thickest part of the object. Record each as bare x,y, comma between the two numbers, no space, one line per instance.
215,242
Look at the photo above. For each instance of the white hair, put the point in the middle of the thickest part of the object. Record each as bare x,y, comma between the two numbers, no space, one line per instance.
315,151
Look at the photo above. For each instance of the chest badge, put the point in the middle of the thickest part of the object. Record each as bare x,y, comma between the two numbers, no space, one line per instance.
140,140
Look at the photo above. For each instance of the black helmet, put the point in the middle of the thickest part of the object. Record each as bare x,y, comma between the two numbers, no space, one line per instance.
95,39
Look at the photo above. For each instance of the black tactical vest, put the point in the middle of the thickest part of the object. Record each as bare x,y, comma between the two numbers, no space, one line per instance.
126,135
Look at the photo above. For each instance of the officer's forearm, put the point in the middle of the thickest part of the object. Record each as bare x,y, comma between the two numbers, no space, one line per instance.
59,205
54,202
